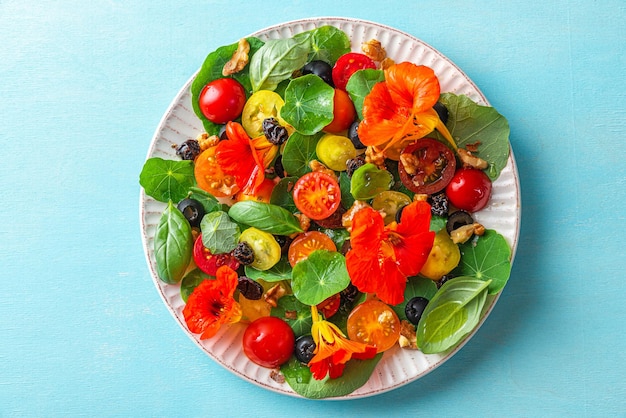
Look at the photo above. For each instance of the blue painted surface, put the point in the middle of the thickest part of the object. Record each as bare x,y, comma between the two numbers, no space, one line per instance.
83,86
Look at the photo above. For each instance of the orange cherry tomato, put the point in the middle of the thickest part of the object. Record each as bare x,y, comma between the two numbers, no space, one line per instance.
210,176
375,323
263,194
301,247
317,195
344,113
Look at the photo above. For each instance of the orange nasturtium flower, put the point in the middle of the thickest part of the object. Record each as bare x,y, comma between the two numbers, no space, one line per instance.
399,110
333,350
211,304
383,257
245,158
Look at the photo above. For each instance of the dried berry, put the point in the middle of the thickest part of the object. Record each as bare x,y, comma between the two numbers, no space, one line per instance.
444,279
243,253
274,132
188,150
249,288
354,163
439,204
284,243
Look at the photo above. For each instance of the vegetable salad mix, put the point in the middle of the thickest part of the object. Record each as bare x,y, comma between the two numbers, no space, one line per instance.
328,208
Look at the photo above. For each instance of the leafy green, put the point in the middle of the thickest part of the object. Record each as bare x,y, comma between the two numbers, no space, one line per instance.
280,271
282,196
191,281
173,244
167,180
437,223
206,199
368,180
487,258
303,321
355,375
212,70
265,216
277,60
308,104
469,122
360,85
322,274
338,235
451,314
219,233
298,152
347,200
415,286
327,43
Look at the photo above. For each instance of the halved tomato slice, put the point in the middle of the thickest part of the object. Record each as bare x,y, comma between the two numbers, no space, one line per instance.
301,247
317,195
375,323
427,166
210,176
209,262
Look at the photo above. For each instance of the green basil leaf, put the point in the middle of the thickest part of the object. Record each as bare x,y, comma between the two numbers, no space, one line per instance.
451,314
167,180
212,70
303,321
328,43
279,272
487,257
191,281
308,104
206,199
265,216
347,200
415,287
469,123
355,374
173,244
338,235
219,233
282,196
368,180
360,85
322,274
276,61
299,150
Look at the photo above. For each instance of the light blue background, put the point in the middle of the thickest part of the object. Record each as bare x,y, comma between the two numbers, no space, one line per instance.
83,84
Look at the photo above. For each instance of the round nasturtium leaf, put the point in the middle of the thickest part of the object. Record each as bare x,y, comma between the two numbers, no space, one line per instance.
319,276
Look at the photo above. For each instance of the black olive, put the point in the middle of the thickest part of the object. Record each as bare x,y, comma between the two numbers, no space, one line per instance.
442,111
353,134
222,132
279,169
321,69
188,150
249,288
304,349
192,210
284,243
458,219
444,279
415,308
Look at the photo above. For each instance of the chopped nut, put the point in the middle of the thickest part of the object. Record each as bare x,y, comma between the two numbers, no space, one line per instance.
420,197
346,219
465,232
374,50
317,166
473,147
205,141
277,376
408,335
410,163
238,60
470,160
273,294
386,63
305,222
375,156
293,315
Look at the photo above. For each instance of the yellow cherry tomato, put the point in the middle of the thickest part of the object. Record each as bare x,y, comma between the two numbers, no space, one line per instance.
261,105
443,258
334,151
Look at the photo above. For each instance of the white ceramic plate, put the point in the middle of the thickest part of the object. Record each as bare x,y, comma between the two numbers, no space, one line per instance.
398,366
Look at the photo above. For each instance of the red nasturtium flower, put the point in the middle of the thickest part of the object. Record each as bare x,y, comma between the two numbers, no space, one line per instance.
383,257
399,110
245,158
211,304
333,350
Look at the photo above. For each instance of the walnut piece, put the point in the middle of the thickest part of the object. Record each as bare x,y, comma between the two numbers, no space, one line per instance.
375,156
238,60
374,49
470,160
305,222
277,376
346,218
273,294
465,232
205,141
410,163
408,335
318,166
386,63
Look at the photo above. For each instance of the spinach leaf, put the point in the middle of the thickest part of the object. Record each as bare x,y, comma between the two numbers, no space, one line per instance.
299,150
167,180
338,235
276,61
282,196
206,199
322,274
355,375
280,271
301,324
327,43
308,104
487,258
212,70
191,281
451,314
415,286
469,122
360,85
265,216
347,200
173,244
219,233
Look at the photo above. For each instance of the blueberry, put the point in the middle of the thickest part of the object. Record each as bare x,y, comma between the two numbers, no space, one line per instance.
353,134
304,348
321,69
414,309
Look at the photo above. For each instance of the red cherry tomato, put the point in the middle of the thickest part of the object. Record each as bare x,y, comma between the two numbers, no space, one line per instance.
469,189
222,100
263,194
268,341
343,113
426,166
317,195
347,65
208,262
330,306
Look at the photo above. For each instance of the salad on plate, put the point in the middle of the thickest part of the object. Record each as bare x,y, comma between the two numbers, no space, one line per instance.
328,213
